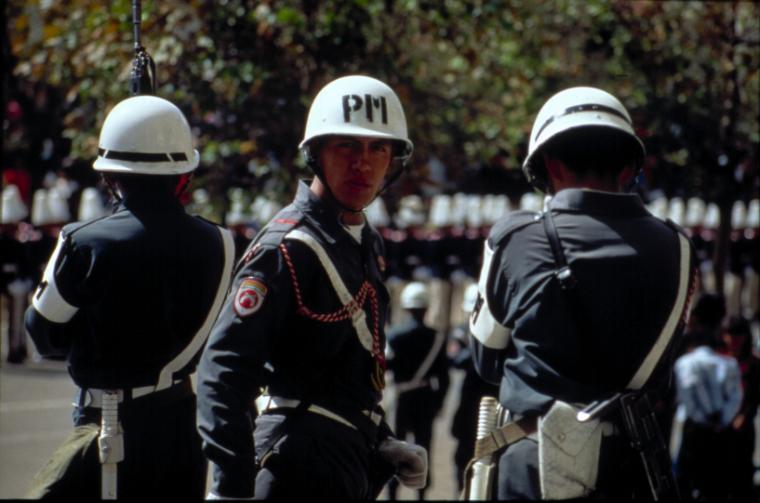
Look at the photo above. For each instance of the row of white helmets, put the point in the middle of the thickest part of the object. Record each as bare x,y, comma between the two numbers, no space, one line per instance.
458,210
695,212
50,206
472,210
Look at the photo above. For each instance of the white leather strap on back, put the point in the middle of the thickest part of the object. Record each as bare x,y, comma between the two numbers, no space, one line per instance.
669,329
166,379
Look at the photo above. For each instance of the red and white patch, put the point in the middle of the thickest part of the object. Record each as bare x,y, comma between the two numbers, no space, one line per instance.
249,297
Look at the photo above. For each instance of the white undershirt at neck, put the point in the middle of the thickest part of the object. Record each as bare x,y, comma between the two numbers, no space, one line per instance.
355,231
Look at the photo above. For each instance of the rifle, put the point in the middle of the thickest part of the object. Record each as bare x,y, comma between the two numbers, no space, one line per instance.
143,75
645,437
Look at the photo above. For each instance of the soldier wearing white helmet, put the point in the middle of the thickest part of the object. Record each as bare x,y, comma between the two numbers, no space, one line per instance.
739,259
560,289
128,299
695,214
15,272
351,118
305,323
752,234
417,358
13,208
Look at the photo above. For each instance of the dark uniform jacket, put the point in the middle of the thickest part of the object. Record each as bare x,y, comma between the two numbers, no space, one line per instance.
129,299
284,328
125,294
634,278
412,344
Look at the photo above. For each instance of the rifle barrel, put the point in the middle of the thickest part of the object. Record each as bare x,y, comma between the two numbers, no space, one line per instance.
136,18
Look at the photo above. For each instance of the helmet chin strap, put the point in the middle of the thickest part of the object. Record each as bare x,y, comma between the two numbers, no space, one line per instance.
113,189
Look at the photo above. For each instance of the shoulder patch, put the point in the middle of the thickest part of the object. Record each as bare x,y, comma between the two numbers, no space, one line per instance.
250,296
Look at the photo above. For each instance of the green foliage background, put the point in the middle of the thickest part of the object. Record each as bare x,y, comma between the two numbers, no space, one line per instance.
471,74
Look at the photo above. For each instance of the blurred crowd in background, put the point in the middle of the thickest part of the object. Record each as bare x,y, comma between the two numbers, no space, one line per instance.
434,233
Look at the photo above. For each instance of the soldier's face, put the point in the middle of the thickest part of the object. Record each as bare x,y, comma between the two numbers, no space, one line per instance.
354,168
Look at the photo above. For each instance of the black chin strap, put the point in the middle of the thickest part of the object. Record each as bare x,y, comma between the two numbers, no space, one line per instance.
117,199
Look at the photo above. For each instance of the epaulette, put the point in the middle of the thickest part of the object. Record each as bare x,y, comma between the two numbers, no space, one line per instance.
512,223
272,234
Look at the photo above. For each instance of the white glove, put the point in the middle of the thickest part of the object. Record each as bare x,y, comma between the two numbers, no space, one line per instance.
410,460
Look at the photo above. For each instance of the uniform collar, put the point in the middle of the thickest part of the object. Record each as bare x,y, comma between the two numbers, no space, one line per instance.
322,215
596,201
149,201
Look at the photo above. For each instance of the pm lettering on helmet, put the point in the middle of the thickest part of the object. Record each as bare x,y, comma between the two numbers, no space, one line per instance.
354,103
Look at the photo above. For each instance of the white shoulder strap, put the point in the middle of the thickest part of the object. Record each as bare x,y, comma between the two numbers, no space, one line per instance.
359,319
167,373
682,297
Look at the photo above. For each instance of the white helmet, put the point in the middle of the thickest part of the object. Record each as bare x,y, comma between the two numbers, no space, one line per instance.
659,207
415,296
58,206
677,210
573,108
753,214
13,210
377,213
147,135
357,106
739,215
695,212
411,212
712,217
440,210
40,209
91,205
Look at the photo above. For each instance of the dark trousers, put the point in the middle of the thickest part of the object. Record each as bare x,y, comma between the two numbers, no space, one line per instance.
704,462
162,456
311,457
415,414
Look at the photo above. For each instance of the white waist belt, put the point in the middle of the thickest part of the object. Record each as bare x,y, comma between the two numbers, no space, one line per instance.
95,396
266,403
